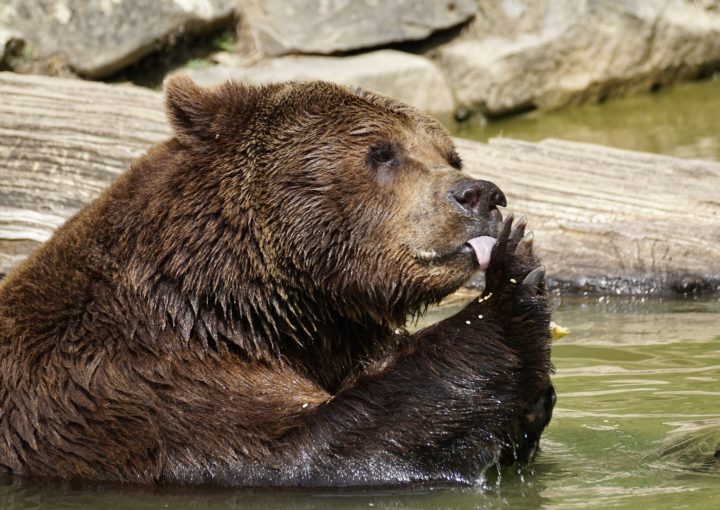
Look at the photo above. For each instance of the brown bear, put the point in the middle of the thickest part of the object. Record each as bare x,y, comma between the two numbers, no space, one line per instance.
231,310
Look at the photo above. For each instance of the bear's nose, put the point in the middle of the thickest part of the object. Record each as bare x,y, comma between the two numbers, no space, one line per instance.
477,197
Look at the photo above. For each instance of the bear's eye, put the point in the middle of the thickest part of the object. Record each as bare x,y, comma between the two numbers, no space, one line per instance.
382,155
455,160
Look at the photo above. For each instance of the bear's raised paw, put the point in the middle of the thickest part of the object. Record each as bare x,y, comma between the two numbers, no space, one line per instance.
514,274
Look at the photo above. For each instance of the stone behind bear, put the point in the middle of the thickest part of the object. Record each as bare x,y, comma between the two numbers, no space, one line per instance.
231,310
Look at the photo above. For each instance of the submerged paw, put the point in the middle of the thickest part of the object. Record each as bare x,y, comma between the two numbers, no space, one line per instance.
532,422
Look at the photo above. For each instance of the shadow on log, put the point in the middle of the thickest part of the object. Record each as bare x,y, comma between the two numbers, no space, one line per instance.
605,220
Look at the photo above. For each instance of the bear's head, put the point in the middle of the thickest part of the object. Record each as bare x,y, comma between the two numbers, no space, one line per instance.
345,196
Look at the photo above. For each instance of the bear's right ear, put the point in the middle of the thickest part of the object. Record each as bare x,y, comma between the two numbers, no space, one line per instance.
191,109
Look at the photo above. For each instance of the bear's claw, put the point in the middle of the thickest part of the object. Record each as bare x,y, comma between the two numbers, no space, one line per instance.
524,246
504,233
519,231
533,281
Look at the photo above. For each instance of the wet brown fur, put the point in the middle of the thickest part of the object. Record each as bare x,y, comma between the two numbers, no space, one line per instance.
225,312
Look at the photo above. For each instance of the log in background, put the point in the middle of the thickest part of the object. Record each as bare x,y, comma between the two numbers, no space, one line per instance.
604,219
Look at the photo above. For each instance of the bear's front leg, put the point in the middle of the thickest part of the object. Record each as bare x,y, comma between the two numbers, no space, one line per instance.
451,401
515,300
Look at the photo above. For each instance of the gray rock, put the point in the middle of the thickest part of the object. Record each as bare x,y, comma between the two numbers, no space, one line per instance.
575,51
98,37
410,78
324,27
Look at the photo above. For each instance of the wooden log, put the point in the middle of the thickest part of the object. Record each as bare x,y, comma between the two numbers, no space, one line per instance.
62,142
604,219
611,220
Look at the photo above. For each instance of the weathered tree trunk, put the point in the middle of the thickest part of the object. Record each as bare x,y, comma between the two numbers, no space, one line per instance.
611,220
61,143
604,219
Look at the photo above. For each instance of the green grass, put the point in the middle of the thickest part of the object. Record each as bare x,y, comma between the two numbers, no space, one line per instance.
225,41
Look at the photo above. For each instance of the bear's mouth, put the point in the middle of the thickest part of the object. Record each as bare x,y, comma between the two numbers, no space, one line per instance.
481,247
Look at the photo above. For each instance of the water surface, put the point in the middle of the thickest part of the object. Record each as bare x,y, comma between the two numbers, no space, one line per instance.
683,121
636,426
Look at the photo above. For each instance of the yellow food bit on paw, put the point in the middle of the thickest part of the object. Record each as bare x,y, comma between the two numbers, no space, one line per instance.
513,280
557,331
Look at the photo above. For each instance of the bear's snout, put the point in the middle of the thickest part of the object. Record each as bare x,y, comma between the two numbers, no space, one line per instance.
476,197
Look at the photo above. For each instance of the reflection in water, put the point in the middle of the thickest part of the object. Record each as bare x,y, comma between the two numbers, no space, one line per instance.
636,426
58,497
690,449
679,121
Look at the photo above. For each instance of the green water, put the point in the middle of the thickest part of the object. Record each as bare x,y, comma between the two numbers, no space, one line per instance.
636,426
683,121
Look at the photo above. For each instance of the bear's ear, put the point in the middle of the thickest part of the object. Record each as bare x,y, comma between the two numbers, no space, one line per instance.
191,109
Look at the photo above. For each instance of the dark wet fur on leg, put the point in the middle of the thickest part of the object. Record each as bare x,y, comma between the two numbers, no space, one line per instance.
516,284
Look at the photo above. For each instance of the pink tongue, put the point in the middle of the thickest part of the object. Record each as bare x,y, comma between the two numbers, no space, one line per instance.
483,246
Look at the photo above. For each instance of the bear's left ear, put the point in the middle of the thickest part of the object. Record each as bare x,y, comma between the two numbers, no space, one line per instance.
191,109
